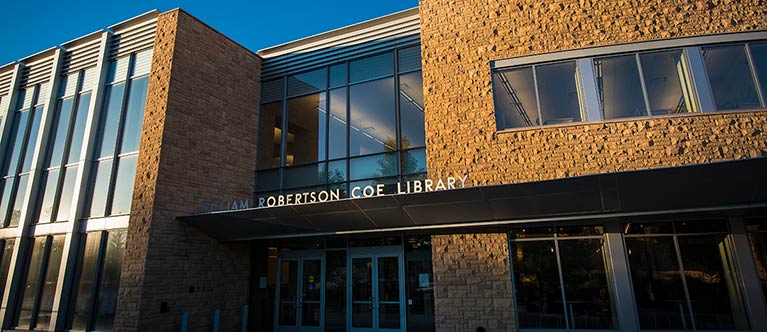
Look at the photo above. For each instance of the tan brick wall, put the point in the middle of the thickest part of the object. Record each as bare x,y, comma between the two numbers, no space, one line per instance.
460,38
472,283
198,145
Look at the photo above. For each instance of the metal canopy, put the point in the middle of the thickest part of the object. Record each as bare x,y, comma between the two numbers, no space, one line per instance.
726,185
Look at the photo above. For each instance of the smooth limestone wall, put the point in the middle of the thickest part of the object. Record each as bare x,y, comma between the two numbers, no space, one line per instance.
198,144
459,39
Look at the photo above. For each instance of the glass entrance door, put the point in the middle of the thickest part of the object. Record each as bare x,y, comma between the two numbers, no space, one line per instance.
300,294
376,290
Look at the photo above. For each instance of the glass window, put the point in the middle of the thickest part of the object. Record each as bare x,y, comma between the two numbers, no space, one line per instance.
49,283
558,93
124,181
5,263
409,59
34,130
337,124
78,131
411,110
759,58
61,127
335,292
17,139
307,121
100,187
67,191
300,176
18,203
83,289
338,75
49,194
268,180
337,171
134,115
668,86
110,280
536,284
515,103
29,290
371,67
730,76
413,161
270,135
308,82
390,185
381,165
619,87
110,120
373,126
6,198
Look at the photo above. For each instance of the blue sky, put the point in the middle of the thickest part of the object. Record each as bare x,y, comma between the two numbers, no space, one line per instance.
28,27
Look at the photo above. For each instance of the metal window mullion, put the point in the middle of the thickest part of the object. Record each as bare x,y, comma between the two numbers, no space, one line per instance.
348,114
327,127
752,67
562,285
700,83
539,121
754,302
284,132
645,97
589,94
620,270
40,281
684,282
96,287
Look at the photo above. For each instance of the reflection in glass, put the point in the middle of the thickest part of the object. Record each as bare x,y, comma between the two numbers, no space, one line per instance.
17,139
668,86
381,165
21,194
730,77
589,299
28,292
759,58
411,110
49,283
124,181
34,130
5,263
134,114
362,292
49,193
413,161
558,93
61,127
338,75
67,190
371,67
373,125
6,199
110,120
388,292
418,264
110,280
536,281
758,242
619,87
100,188
311,292
78,131
308,82
337,124
270,134
337,171
307,121
335,292
288,292
83,290
515,103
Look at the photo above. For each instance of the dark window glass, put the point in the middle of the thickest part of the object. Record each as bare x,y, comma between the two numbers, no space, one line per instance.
371,67
411,110
730,76
50,282
49,193
668,86
338,75
373,122
588,295
61,127
34,130
84,288
308,82
619,87
272,91
110,120
67,191
558,93
78,131
335,293
337,124
649,228
99,188
5,263
134,114
268,180
110,280
307,121
30,287
309,175
124,181
580,231
532,232
17,139
21,194
700,226
270,135
381,165
409,58
537,286
758,239
419,282
759,58
6,199
288,293
515,103
413,161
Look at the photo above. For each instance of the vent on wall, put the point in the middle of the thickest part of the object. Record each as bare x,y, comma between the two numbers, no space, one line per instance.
81,56
37,72
5,82
133,37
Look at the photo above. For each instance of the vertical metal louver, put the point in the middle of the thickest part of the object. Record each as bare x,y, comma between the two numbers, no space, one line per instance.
83,55
135,35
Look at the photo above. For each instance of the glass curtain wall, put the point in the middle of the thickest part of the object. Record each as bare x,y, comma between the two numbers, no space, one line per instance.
683,276
5,262
19,152
561,279
117,142
349,124
757,236
35,301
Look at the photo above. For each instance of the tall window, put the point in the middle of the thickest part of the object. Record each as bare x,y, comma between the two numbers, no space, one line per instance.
560,278
683,275
348,124
66,140
116,152
19,152
35,302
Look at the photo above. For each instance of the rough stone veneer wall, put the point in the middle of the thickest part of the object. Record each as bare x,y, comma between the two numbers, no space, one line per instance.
472,283
198,145
460,38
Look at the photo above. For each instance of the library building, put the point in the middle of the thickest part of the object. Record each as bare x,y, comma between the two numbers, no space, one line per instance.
459,166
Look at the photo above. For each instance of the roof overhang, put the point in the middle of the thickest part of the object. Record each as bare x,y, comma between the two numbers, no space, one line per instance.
732,186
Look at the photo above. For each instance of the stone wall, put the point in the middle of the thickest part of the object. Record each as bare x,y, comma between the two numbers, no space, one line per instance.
472,283
461,38
198,145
